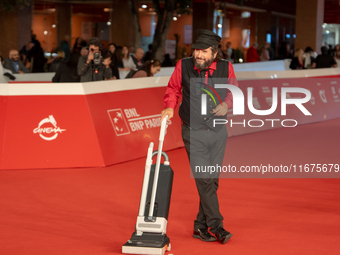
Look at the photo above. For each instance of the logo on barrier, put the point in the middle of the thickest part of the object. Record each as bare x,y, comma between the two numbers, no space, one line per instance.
118,122
48,129
132,121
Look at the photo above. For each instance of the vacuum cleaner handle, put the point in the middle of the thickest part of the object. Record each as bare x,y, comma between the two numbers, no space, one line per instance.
158,162
165,156
163,128
148,164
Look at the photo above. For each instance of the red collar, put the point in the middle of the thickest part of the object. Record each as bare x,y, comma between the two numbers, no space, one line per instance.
212,68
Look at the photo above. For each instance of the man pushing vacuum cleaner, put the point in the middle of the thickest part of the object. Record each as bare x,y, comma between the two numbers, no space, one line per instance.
194,78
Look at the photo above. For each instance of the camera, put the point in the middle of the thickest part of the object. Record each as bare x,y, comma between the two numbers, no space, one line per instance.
97,59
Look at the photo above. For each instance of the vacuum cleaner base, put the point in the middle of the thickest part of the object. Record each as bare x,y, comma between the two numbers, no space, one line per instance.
147,243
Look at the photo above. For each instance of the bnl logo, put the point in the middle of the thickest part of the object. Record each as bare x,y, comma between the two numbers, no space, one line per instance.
238,100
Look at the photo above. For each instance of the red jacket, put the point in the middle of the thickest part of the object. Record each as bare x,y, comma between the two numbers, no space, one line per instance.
252,55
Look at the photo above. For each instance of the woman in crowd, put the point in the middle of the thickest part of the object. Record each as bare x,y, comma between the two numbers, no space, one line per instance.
150,68
309,55
264,53
124,60
79,44
57,61
337,58
68,72
115,73
112,48
127,60
113,65
335,50
298,60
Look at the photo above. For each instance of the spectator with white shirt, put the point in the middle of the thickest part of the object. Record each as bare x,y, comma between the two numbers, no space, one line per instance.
126,61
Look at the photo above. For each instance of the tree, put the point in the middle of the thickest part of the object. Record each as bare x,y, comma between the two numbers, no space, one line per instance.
164,19
165,11
165,16
133,5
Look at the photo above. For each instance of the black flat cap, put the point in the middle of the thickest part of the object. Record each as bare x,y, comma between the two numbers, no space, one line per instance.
206,39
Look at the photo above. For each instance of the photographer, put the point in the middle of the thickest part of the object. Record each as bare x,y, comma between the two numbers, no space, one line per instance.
93,67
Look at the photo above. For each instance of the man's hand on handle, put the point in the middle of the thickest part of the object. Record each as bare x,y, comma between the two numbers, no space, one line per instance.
167,111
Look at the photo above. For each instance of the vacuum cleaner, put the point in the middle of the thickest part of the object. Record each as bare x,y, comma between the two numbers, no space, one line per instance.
150,232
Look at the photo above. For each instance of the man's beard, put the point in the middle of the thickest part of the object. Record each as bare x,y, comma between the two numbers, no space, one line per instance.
203,65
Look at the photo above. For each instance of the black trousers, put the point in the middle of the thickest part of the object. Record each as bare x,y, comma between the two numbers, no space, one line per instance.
205,149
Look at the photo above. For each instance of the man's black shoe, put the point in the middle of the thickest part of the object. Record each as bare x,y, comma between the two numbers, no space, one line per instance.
222,235
204,235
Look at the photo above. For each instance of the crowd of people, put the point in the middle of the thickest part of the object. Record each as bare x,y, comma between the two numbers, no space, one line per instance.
85,61
88,61
300,59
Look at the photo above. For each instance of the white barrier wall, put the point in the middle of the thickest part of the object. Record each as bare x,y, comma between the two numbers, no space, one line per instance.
305,73
245,71
274,65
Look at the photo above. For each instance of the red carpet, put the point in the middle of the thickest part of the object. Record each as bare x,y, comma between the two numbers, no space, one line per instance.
93,211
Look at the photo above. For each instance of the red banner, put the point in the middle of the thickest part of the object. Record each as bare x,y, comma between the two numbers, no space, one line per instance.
104,123
78,129
48,132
